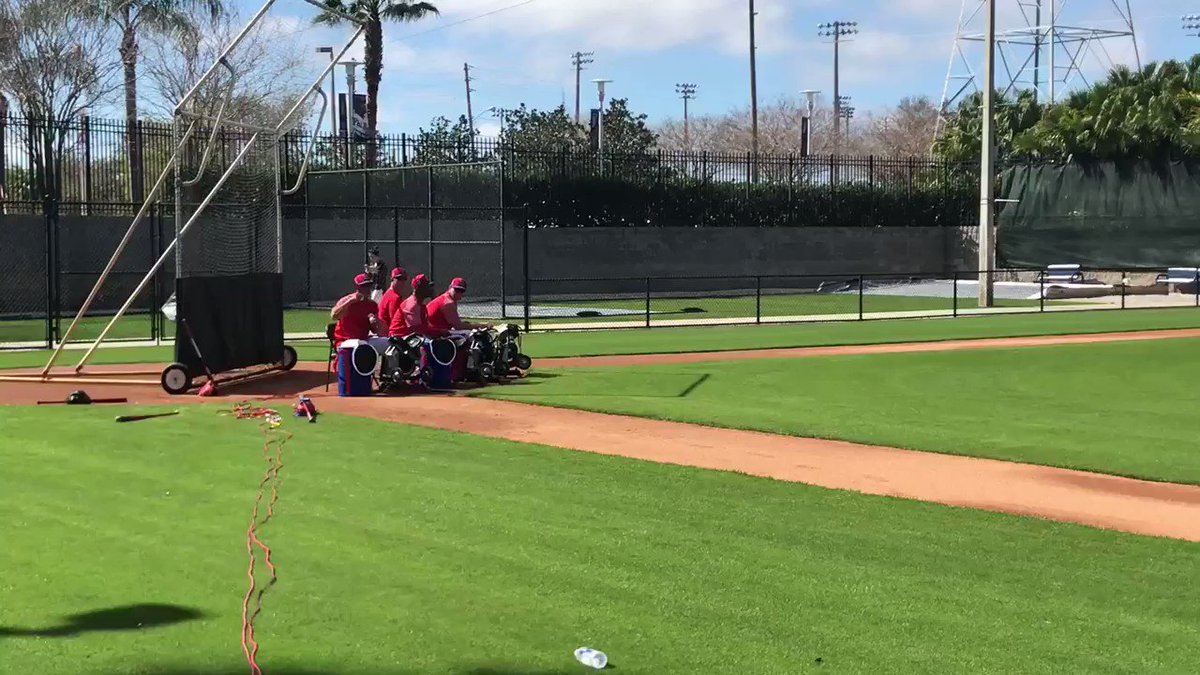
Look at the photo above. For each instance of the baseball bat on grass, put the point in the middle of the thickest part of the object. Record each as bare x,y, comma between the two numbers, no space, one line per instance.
138,418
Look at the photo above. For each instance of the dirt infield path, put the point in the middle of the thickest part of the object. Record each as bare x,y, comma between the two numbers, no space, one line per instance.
850,350
1139,507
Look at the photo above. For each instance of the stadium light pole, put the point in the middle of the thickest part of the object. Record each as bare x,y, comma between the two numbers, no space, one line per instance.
837,30
987,165
600,82
1190,24
687,92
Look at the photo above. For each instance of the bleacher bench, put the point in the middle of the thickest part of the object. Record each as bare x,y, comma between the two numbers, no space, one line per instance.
1063,274
1178,276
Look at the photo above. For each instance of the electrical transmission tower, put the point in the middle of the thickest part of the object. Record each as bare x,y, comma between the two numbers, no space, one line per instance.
1041,46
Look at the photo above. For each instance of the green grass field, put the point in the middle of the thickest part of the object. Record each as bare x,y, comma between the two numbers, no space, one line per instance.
724,338
412,551
774,305
315,320
1122,408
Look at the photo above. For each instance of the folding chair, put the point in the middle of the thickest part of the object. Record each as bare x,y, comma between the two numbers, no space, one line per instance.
332,354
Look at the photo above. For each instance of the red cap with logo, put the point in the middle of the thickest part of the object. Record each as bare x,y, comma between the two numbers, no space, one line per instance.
362,280
458,284
399,273
420,280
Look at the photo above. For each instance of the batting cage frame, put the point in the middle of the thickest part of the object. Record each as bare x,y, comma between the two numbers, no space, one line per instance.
249,292
441,220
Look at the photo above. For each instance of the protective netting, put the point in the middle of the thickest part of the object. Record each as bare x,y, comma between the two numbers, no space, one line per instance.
444,221
237,233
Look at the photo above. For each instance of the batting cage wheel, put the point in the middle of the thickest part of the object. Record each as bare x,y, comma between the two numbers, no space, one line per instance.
176,380
289,358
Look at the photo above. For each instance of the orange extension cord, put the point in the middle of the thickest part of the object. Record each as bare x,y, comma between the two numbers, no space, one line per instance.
272,438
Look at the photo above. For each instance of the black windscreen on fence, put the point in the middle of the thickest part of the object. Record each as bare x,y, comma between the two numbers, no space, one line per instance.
1131,214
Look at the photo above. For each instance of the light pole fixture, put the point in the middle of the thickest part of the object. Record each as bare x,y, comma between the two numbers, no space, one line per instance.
332,91
1191,24
806,122
837,30
600,82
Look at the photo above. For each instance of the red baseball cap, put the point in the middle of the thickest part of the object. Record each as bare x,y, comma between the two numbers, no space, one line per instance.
399,273
459,283
362,280
420,280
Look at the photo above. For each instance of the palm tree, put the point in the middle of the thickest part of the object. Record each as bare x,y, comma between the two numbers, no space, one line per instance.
133,17
372,14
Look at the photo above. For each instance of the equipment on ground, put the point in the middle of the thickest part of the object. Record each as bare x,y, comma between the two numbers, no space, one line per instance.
139,418
403,363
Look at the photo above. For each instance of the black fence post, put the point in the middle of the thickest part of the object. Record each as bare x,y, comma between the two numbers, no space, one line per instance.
429,222
954,301
1196,286
757,299
1041,292
307,246
861,282
647,302
525,268
1122,290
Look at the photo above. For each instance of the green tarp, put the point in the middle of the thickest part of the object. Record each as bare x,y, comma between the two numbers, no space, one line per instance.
1137,214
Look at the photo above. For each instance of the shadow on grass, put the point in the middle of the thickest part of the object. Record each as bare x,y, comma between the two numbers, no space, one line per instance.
126,618
285,670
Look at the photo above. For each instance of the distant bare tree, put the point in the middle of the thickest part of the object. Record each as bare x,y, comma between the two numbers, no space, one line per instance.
271,76
906,130
53,65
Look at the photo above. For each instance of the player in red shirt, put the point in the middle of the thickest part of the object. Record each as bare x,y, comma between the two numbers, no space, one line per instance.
414,319
357,315
389,304
443,310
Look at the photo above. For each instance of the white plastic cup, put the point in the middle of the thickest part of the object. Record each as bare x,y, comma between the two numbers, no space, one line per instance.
592,658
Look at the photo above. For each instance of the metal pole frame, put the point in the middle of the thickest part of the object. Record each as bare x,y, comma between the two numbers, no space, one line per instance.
237,161
173,163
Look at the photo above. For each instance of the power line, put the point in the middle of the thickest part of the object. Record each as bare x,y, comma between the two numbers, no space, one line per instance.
466,20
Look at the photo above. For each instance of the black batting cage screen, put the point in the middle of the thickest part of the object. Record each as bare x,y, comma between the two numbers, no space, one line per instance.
229,281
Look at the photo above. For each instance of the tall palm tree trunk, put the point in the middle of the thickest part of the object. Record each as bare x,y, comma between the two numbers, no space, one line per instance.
133,144
373,67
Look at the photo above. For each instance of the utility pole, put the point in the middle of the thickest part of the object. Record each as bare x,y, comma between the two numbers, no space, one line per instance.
837,30
987,169
470,112
753,99
686,92
350,86
579,60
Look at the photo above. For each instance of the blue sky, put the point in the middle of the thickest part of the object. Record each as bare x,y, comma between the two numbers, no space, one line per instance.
520,50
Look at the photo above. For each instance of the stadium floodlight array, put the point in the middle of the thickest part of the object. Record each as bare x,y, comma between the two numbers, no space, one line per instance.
252,176
1191,24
